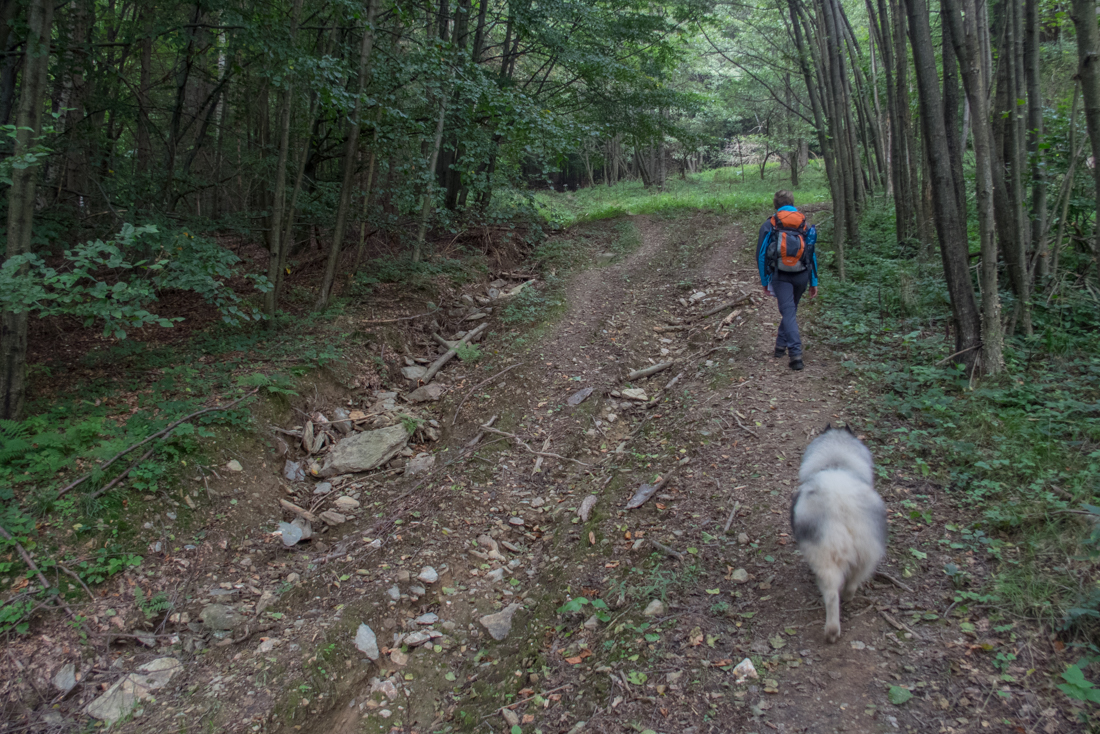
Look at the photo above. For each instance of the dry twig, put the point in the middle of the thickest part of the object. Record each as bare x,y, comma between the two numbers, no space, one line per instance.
518,440
475,387
155,436
893,580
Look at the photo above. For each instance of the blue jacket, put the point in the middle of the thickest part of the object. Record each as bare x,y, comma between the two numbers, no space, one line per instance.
762,245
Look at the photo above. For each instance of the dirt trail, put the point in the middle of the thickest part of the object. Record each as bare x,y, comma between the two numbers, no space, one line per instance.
671,675
671,601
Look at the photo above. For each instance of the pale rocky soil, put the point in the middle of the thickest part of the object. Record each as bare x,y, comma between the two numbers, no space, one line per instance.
740,416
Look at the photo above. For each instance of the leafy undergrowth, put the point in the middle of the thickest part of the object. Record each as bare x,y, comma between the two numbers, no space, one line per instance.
75,512
722,190
1021,451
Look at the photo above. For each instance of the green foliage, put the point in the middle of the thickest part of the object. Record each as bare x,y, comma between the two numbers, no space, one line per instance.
1019,449
468,352
898,695
31,157
533,305
1077,687
151,606
114,282
713,190
422,275
411,424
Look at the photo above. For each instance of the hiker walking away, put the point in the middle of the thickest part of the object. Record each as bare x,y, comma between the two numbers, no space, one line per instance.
788,265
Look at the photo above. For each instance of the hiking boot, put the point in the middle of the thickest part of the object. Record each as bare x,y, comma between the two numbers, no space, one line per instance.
796,363
780,352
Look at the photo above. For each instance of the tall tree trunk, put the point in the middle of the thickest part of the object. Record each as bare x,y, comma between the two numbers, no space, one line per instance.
951,104
1016,157
305,149
1067,183
1088,71
429,194
1034,142
898,173
28,122
817,106
176,127
275,241
144,145
949,226
964,37
347,165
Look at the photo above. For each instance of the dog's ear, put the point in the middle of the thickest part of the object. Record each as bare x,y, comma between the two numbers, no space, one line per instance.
828,427
849,429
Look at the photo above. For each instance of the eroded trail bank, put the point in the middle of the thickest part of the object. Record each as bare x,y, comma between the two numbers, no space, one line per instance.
551,607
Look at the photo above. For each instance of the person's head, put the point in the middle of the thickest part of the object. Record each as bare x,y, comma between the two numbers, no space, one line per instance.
783,198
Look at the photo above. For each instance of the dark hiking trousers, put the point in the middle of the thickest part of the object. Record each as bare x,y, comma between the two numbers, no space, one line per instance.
789,288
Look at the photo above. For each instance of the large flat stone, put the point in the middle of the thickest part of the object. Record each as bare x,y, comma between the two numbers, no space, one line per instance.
364,451
500,624
120,699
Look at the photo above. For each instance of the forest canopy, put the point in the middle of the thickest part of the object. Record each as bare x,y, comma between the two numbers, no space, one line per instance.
139,136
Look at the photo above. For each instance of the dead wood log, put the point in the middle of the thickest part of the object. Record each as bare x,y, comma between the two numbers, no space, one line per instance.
481,434
439,363
639,374
666,550
664,329
298,510
739,301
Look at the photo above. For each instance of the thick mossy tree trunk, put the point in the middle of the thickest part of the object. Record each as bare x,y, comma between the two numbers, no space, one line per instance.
28,122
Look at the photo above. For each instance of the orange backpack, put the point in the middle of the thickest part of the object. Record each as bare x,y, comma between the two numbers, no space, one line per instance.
787,246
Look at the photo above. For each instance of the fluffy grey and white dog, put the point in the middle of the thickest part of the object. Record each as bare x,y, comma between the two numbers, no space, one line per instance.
838,518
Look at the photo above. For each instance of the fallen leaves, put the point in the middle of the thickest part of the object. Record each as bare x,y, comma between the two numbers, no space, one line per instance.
577,659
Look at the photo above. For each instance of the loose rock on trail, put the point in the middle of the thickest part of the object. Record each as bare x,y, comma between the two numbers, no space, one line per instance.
503,583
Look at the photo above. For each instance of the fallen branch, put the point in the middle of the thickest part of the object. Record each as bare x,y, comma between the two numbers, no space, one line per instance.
34,568
639,374
439,363
529,698
402,318
155,436
538,461
79,580
648,490
739,301
956,354
124,474
899,626
665,329
745,429
475,387
666,550
298,510
673,381
481,434
733,512
518,440
248,632
445,343
893,580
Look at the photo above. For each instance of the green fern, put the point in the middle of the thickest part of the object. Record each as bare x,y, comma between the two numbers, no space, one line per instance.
151,606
